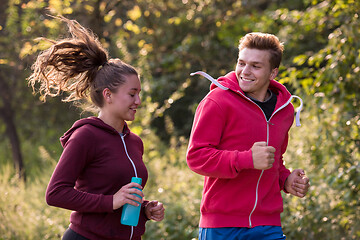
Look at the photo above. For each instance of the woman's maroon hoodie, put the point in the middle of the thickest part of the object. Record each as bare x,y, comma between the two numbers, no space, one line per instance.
91,169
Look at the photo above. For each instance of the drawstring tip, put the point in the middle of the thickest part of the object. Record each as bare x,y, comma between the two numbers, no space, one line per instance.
210,78
297,117
298,110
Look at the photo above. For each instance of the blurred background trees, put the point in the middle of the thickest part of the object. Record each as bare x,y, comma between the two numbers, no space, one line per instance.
166,41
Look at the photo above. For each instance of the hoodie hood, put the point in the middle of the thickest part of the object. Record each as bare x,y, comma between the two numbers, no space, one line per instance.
94,121
230,82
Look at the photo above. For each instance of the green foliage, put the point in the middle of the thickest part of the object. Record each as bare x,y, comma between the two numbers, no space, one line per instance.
23,211
169,179
167,40
330,210
324,71
328,75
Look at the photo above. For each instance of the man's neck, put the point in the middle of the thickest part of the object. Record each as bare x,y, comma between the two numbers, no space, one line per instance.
266,97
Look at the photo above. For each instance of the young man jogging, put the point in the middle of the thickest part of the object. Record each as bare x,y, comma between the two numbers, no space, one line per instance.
239,136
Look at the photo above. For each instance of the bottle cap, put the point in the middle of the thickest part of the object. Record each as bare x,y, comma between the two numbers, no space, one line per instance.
136,180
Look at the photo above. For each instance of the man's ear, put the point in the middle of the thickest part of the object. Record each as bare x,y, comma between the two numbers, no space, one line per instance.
107,95
274,73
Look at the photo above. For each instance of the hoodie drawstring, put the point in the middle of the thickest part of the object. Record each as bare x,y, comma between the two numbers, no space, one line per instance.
132,163
297,116
127,154
204,74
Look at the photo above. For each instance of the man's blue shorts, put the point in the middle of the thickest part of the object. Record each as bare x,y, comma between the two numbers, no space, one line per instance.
242,233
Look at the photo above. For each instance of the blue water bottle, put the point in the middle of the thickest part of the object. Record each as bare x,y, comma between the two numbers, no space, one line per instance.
130,213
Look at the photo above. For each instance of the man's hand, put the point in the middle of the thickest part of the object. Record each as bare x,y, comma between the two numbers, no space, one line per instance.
297,183
263,155
155,210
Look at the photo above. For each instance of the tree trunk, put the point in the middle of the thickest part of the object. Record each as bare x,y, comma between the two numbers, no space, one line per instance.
7,115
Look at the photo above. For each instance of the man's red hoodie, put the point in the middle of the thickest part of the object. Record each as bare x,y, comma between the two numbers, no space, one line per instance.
225,127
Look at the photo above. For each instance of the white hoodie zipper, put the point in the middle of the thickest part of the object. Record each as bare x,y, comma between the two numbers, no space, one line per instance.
297,120
132,163
127,154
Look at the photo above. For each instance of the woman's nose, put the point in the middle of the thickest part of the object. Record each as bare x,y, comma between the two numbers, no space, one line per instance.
138,100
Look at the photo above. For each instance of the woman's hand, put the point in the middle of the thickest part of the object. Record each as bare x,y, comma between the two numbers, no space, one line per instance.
126,195
155,210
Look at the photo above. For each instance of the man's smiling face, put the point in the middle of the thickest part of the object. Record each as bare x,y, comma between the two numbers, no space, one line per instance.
254,72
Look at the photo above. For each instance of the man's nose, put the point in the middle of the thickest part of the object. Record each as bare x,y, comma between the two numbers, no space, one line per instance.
246,70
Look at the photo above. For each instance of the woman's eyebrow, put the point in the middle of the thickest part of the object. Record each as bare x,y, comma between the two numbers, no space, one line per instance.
135,89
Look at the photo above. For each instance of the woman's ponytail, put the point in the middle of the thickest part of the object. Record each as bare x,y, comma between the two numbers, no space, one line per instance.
69,65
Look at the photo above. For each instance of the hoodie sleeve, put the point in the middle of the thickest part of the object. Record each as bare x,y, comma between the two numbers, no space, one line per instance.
204,155
283,171
61,190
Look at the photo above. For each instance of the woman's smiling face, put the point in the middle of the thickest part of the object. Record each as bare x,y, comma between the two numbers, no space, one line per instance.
126,99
